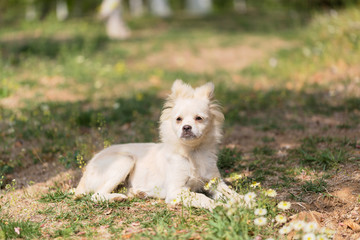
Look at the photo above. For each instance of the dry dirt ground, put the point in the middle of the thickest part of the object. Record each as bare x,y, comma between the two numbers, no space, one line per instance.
338,209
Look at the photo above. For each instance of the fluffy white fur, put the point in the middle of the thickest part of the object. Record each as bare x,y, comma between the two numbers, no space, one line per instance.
175,169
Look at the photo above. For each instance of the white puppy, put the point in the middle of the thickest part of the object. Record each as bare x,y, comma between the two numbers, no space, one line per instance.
175,169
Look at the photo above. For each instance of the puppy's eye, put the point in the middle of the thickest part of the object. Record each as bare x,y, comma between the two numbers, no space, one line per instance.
198,118
179,119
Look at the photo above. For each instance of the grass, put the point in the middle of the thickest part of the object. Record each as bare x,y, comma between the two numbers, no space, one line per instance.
317,186
323,159
228,158
19,229
66,92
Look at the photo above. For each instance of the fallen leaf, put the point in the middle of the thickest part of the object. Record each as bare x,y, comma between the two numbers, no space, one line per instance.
135,224
353,225
126,236
307,216
108,212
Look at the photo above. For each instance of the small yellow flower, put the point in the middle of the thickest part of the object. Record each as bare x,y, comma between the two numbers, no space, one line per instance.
214,180
255,185
284,205
211,183
120,67
139,97
235,177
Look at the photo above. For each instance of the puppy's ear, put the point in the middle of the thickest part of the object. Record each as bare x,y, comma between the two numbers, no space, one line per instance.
179,88
205,91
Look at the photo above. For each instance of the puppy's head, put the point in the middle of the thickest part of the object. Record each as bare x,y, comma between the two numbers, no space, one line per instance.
190,115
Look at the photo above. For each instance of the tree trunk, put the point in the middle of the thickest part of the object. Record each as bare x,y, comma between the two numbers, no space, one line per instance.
136,7
30,12
199,7
240,6
160,8
116,28
62,10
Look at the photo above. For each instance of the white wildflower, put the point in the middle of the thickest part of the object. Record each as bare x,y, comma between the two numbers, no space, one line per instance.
273,62
327,231
261,221
260,211
116,105
321,237
311,227
285,230
280,218
44,108
270,193
298,225
250,197
309,236
284,205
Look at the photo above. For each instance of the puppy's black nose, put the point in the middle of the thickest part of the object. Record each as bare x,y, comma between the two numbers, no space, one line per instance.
187,128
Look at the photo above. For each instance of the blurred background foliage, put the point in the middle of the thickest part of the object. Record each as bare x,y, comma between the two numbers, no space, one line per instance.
13,10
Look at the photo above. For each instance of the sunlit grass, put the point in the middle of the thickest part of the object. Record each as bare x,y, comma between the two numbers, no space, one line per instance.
106,92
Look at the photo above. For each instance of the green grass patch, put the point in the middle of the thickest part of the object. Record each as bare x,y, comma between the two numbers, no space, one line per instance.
264,150
19,229
316,51
56,196
229,159
323,159
316,186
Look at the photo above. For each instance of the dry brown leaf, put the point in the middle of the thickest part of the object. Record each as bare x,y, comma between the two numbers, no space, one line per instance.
127,236
135,224
307,216
108,212
291,235
81,233
353,225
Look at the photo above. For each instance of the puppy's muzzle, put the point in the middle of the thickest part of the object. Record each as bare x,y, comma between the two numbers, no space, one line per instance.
187,128
187,132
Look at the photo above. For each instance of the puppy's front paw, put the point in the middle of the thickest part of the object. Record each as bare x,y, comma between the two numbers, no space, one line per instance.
118,198
111,197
